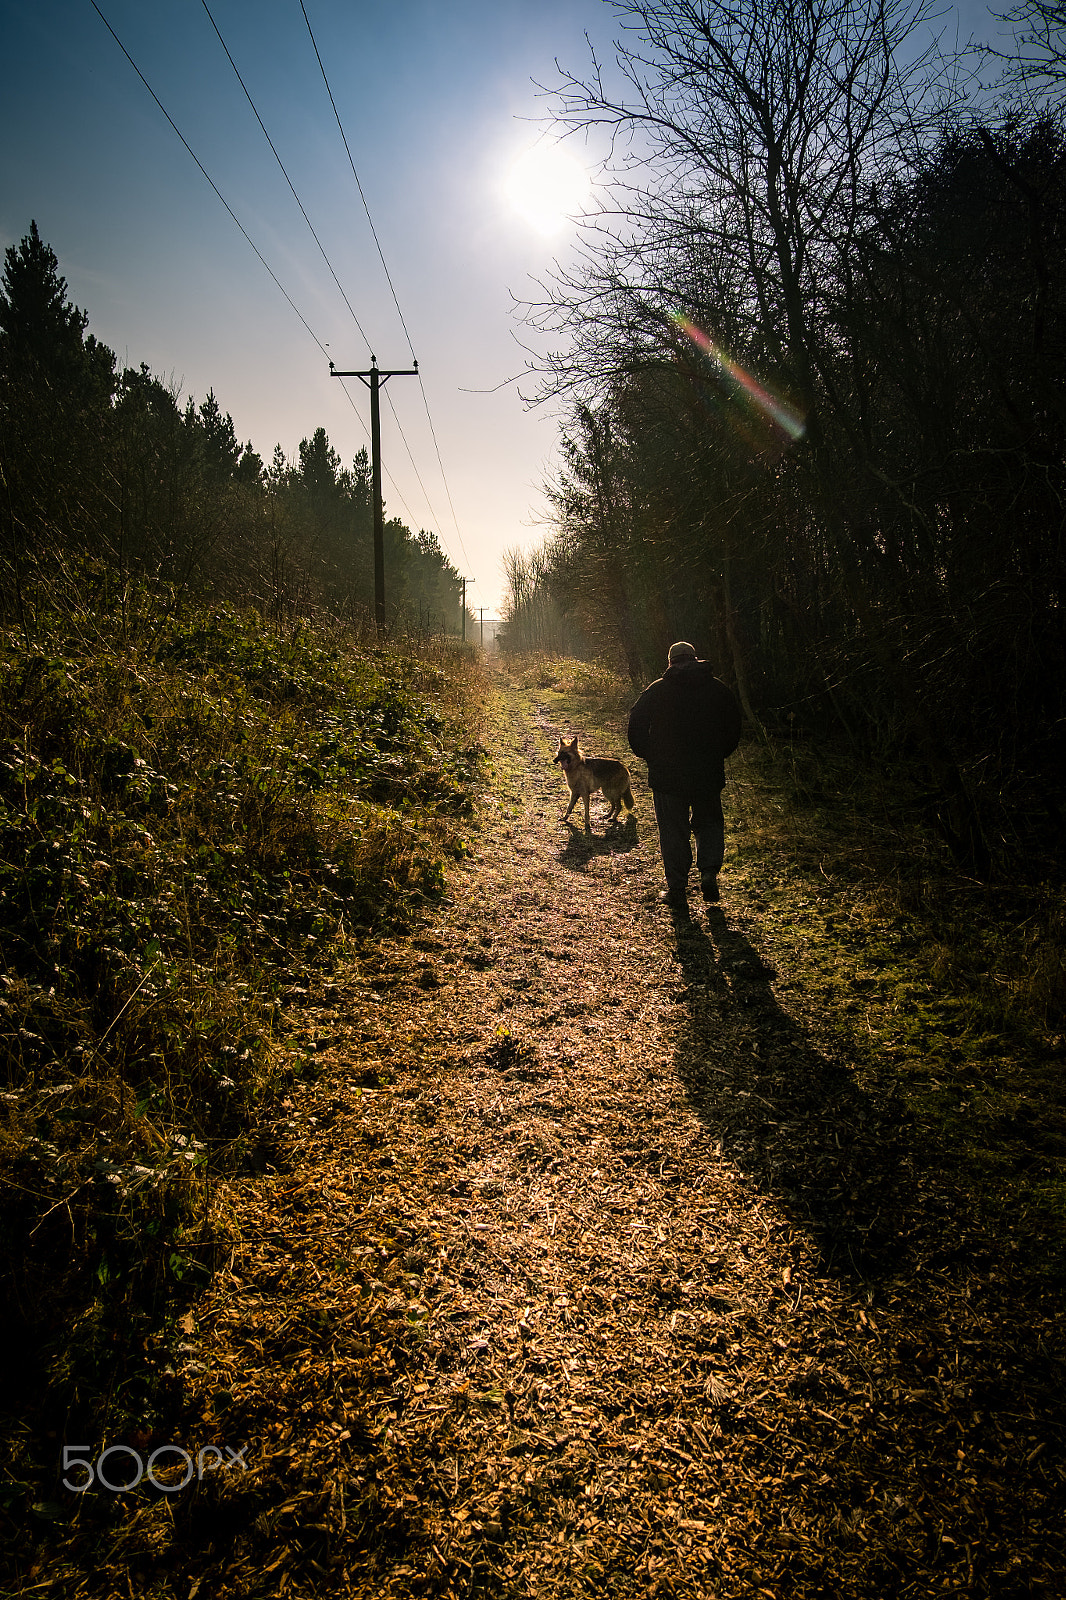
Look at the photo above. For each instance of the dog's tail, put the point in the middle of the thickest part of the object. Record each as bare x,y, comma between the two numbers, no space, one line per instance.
627,800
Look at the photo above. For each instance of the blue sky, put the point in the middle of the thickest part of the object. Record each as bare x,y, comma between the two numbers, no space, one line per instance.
437,100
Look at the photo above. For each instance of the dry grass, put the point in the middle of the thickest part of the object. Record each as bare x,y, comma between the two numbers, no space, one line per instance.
588,683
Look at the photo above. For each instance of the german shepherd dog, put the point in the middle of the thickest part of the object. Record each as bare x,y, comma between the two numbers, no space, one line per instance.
587,774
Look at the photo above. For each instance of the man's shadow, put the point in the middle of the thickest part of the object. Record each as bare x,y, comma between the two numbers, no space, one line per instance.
791,1115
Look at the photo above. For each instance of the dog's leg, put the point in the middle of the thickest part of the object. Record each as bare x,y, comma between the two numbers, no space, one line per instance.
574,798
588,824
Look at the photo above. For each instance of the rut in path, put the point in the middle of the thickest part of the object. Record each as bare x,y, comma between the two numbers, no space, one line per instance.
576,1270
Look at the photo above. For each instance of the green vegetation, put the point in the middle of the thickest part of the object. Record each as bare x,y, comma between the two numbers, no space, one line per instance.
198,815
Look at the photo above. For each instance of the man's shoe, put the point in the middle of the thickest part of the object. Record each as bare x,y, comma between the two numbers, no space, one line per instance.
709,886
673,897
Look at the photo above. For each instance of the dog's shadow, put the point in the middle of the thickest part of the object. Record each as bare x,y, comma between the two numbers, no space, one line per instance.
617,839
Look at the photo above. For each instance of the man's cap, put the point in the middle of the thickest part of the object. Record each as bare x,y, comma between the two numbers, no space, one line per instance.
681,651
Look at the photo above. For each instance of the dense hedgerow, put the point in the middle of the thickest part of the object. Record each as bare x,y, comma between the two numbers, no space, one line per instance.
194,813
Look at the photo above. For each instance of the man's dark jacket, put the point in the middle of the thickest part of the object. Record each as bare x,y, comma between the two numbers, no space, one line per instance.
684,725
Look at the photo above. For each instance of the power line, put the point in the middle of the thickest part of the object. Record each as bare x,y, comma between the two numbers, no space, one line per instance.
358,185
396,303
210,180
325,257
329,264
263,261
347,395
433,434
303,212
411,459
285,175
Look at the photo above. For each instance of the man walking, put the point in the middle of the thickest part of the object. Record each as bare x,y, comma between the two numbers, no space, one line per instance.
684,725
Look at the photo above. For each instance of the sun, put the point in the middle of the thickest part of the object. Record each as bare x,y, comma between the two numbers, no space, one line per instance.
546,186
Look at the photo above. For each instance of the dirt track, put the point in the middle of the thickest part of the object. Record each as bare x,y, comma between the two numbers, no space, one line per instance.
589,1264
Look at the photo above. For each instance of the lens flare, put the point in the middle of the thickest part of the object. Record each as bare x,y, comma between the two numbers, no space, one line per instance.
781,414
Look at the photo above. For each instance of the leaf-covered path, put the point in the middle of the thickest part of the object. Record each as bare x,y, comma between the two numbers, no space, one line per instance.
589,1264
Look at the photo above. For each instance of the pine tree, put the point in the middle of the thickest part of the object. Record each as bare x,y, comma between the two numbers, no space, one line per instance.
56,388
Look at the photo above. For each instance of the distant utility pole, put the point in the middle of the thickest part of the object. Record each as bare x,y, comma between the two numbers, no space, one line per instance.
464,609
481,614
373,380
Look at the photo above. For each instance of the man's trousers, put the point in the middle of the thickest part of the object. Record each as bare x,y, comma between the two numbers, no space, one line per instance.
680,819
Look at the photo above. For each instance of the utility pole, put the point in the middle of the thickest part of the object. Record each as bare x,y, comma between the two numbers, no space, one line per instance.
464,610
373,381
482,616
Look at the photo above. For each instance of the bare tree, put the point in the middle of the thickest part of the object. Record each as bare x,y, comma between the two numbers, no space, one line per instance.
744,142
1035,66
532,616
